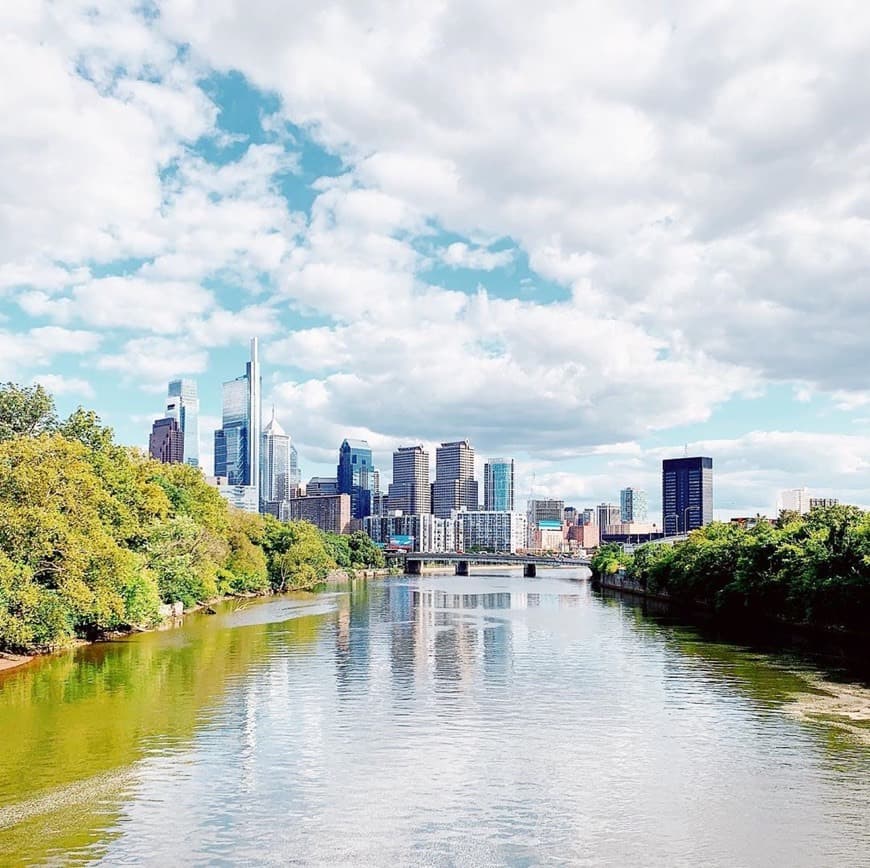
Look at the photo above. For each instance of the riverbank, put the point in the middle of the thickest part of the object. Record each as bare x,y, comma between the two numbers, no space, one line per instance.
838,649
173,615
13,661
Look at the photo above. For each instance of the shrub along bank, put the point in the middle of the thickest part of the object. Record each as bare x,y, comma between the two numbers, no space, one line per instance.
94,536
812,569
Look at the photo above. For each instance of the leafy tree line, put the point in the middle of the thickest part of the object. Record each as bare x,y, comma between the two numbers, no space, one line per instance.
812,569
94,536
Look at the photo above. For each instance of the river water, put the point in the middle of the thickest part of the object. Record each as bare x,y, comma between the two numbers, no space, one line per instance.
486,720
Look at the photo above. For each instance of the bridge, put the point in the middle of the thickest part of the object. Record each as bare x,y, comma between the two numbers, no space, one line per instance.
463,560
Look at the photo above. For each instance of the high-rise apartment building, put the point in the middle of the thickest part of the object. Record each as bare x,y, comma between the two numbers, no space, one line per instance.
166,443
498,485
182,404
355,476
237,442
410,492
633,505
494,531
275,464
687,494
606,515
795,500
823,502
455,486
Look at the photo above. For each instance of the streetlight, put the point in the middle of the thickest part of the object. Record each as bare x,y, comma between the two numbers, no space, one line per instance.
676,515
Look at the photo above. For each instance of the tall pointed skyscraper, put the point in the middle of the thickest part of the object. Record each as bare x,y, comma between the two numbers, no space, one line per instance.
275,466
237,442
255,411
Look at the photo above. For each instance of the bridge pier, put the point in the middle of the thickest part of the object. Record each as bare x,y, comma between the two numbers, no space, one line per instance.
462,568
414,568
530,571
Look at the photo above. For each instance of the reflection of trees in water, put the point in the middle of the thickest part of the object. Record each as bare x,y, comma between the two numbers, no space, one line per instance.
72,717
771,678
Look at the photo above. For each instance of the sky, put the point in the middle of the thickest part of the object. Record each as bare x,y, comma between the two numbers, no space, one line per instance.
585,235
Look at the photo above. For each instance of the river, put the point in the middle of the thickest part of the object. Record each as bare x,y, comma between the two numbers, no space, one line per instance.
437,720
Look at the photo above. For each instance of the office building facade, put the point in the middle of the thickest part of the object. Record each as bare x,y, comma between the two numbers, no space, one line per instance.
633,505
355,476
321,486
545,510
166,443
606,515
498,485
687,494
182,404
243,497
410,491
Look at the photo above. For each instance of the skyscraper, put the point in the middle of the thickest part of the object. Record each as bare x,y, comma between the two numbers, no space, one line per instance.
295,469
410,492
166,443
237,442
182,404
687,493
498,485
632,505
355,476
274,463
455,485
607,514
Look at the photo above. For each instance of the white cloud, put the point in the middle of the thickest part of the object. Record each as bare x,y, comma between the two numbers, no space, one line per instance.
57,384
460,255
700,170
153,361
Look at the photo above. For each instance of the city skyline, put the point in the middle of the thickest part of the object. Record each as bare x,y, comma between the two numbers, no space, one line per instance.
496,472
674,282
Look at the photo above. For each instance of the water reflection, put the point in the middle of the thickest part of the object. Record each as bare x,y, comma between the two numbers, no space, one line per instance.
434,720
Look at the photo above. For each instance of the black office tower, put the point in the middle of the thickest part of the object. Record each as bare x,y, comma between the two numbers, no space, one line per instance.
687,494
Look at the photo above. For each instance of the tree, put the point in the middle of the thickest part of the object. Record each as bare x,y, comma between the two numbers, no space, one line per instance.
297,553
363,552
25,411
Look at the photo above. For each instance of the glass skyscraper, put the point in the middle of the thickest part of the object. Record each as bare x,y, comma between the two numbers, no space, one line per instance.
632,505
687,494
355,476
237,442
498,485
275,463
182,404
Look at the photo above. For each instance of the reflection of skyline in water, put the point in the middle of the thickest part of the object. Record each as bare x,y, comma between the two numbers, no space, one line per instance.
450,639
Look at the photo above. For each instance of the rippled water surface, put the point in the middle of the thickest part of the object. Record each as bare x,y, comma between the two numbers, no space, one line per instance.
441,720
